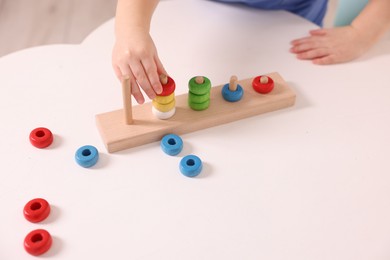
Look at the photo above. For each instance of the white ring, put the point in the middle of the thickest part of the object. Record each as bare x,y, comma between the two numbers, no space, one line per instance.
163,115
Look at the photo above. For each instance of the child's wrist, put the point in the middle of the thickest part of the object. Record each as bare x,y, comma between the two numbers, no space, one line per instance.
365,34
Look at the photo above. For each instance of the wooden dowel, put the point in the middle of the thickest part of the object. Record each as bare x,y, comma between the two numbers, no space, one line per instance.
233,83
127,106
199,80
263,79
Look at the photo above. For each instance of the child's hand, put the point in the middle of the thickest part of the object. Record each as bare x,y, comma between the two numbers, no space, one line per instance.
329,46
135,56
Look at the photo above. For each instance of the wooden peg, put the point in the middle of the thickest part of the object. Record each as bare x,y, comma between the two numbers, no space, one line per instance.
127,106
263,79
199,80
233,83
163,79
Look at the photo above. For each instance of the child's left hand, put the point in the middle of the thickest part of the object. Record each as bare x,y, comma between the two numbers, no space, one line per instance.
330,46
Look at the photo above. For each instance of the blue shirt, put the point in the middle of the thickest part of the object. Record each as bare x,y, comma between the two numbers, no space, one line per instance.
313,10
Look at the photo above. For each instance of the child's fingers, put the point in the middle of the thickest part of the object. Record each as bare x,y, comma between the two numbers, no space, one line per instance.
152,75
305,46
124,72
300,40
141,77
326,60
160,67
313,54
318,32
136,92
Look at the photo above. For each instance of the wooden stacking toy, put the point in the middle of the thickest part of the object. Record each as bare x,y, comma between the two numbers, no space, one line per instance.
134,126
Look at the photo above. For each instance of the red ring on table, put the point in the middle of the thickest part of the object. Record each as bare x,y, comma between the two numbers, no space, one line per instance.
263,88
168,88
41,137
36,210
37,242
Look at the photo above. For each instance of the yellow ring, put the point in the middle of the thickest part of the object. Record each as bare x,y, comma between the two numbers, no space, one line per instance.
163,100
164,107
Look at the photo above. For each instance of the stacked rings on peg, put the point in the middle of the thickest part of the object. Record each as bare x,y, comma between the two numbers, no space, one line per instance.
190,165
164,104
37,242
232,91
87,156
36,210
199,93
41,137
263,84
171,144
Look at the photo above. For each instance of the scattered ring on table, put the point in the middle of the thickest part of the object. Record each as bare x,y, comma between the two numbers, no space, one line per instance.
232,96
164,107
165,99
171,144
168,88
37,242
193,98
190,165
36,210
163,115
263,87
41,137
87,156
199,106
199,89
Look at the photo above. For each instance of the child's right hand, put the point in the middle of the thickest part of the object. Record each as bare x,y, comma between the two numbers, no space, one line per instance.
135,56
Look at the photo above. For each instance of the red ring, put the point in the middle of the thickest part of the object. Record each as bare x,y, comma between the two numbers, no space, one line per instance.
36,210
168,88
41,137
37,242
262,88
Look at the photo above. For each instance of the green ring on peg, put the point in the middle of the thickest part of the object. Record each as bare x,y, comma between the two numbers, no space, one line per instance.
199,89
199,106
193,98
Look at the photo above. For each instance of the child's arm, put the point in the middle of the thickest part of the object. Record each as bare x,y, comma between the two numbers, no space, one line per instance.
134,54
342,44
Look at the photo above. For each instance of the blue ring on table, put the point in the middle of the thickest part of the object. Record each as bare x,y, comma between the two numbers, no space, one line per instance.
87,156
171,144
190,165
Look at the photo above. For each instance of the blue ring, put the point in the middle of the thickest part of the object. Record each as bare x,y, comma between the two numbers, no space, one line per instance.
190,165
87,156
171,144
232,96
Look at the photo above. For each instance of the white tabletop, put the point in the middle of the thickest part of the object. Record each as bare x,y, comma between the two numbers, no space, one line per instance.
307,182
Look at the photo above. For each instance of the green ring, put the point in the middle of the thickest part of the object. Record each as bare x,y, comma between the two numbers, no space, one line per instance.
199,89
199,106
198,98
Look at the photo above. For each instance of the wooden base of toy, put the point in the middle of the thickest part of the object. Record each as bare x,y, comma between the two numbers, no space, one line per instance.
146,128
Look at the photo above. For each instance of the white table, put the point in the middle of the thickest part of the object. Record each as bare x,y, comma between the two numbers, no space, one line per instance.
308,182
